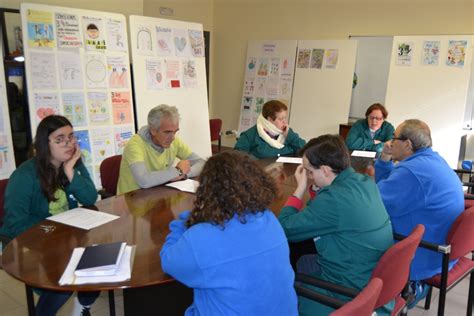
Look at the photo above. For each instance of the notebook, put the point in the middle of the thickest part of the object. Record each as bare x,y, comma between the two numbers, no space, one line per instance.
102,259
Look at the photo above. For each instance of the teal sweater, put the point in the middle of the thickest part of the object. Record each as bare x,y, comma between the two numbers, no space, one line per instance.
359,136
250,142
25,203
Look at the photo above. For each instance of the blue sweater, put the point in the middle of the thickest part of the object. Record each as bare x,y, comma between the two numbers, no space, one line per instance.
243,269
421,189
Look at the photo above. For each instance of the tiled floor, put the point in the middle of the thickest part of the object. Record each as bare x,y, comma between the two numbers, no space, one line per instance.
13,303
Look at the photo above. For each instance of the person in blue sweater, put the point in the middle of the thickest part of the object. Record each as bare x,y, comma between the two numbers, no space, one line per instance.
230,248
420,189
271,136
52,182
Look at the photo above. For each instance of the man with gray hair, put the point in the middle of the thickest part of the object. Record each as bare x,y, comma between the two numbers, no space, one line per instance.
148,158
420,189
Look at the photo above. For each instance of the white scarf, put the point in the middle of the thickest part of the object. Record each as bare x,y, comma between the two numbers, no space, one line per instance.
264,126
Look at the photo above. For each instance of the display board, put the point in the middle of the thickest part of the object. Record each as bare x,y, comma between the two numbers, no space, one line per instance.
78,65
429,79
169,68
7,159
322,86
269,72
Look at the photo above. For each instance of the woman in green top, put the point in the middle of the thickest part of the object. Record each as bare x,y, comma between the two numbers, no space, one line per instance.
54,181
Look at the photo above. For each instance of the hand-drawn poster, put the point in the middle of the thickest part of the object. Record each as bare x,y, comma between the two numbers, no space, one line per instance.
259,90
262,67
117,69
94,33
43,71
271,87
74,107
259,102
404,53
85,145
246,113
40,29
116,35
96,71
70,70
249,86
121,108
172,73
98,108
122,136
251,66
331,57
181,43
67,30
275,67
456,53
165,42
6,165
285,88
430,53
287,67
304,55
144,40
317,56
189,73
154,74
102,143
197,43
46,104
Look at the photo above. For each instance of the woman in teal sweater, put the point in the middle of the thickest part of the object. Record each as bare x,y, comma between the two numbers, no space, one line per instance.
54,181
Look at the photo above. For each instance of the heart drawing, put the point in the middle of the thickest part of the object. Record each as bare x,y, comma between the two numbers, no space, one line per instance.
180,43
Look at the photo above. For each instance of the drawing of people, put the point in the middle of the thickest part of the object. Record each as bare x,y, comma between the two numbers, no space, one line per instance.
92,31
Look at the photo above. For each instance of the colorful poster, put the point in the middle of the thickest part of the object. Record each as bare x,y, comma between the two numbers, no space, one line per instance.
165,42
74,108
287,67
190,79
275,67
456,53
304,55
172,73
154,74
43,71
94,33
96,71
98,108
122,136
40,29
197,43
6,164
259,102
430,53
67,30
181,43
117,69
70,70
262,67
404,53
251,66
102,144
331,57
317,56
85,145
46,104
121,107
116,35
144,40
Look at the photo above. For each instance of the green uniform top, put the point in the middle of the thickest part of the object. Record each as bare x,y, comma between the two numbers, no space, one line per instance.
359,137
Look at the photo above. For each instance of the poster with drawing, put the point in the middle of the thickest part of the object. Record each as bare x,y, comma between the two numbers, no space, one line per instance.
404,53
40,29
94,33
115,34
144,40
430,54
98,108
45,104
154,74
251,68
121,137
43,71
181,43
190,79
102,142
117,69
196,40
68,30
74,108
456,54
121,107
85,145
317,56
7,159
304,55
331,57
96,71
172,73
164,41
70,70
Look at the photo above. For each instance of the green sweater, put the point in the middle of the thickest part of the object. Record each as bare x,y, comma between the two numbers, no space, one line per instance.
359,136
350,227
25,203
250,142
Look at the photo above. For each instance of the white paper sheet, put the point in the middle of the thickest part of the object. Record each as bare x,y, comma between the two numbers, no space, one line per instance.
296,160
124,271
83,218
187,185
367,154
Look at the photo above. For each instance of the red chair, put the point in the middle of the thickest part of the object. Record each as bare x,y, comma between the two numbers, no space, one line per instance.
460,241
393,269
109,174
215,126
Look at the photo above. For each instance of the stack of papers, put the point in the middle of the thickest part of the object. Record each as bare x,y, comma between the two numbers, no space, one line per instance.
296,160
83,218
187,185
367,154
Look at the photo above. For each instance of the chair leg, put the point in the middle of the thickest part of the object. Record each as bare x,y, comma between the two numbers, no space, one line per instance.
470,298
428,298
30,302
111,303
442,301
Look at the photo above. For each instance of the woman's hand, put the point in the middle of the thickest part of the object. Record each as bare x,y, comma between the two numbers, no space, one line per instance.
285,130
68,166
302,181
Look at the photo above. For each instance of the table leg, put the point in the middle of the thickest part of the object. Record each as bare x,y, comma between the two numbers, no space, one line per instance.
111,303
30,302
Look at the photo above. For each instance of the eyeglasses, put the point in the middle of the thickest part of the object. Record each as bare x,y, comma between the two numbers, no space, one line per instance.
64,141
400,138
371,118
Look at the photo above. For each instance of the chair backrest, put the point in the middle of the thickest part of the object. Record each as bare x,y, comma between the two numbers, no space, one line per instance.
215,126
364,303
461,234
393,267
109,173
3,187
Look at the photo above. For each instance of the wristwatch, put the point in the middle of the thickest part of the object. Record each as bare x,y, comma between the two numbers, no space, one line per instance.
180,172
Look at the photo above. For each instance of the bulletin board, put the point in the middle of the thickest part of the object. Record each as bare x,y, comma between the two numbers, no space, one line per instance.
169,68
77,65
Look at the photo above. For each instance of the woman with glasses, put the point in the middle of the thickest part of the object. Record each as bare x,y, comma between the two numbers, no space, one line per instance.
372,132
52,182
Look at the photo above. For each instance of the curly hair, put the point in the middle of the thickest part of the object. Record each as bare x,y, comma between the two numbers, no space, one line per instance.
231,183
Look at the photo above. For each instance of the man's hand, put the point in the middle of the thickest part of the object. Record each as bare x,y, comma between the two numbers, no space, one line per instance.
387,151
184,166
302,181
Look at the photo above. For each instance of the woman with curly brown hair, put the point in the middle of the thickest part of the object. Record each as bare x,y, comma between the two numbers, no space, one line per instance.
231,248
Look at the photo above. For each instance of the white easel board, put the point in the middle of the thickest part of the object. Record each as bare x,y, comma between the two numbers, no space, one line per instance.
323,86
428,80
169,68
77,65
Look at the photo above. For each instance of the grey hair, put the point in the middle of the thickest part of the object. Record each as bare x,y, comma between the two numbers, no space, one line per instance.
162,111
418,132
